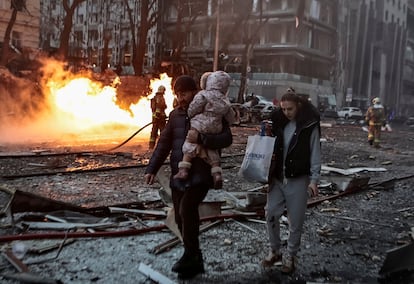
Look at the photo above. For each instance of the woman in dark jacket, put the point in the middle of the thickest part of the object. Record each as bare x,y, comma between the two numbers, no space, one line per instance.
294,173
186,194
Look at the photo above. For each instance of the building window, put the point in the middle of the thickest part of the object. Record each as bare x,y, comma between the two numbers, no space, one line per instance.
17,40
273,33
274,4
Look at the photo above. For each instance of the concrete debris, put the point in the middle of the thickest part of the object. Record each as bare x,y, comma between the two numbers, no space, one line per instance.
154,275
398,260
256,199
351,171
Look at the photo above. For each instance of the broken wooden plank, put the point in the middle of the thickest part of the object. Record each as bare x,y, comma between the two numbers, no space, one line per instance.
164,181
210,208
138,211
27,277
48,246
66,226
154,275
174,241
171,224
354,220
245,226
28,202
60,235
17,263
330,209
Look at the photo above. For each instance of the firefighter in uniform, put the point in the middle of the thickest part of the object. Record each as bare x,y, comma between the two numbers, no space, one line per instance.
159,117
375,118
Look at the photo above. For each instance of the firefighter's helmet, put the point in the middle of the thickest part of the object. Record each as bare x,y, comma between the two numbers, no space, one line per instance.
376,100
161,89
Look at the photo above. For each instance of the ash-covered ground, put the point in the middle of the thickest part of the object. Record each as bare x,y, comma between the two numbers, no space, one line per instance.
345,239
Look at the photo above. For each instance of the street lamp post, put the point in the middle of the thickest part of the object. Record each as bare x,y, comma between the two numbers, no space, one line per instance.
216,45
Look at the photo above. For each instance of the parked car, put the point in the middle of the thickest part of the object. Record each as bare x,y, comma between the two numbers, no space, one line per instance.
350,112
330,113
267,111
261,102
410,121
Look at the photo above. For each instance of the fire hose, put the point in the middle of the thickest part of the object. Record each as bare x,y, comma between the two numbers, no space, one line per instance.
132,136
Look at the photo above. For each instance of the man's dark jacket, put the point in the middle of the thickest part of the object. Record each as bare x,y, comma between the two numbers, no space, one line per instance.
171,141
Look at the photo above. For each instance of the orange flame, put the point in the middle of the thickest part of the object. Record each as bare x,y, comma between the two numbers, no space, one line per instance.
81,109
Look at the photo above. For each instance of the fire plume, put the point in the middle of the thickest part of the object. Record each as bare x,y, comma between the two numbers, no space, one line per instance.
79,108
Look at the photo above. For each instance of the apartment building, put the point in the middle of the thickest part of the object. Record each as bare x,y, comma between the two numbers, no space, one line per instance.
100,28
406,101
371,51
25,33
340,52
279,53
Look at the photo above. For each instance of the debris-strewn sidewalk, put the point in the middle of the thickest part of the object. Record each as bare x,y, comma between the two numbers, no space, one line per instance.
104,225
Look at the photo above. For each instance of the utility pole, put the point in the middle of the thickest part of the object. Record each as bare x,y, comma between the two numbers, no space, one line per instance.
216,45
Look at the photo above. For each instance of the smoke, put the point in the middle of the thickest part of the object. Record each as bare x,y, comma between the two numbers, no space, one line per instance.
29,114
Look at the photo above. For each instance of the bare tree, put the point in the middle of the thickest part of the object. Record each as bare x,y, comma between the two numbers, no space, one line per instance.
63,50
17,5
148,18
184,27
250,29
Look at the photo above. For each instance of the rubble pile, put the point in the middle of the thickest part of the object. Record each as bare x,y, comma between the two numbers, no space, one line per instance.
85,215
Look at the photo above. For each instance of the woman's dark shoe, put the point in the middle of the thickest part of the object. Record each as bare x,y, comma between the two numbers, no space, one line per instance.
271,259
288,265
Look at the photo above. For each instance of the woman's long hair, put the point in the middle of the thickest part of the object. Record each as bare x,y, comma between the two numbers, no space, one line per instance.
306,110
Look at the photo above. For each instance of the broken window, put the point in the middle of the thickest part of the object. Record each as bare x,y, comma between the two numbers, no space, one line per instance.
17,40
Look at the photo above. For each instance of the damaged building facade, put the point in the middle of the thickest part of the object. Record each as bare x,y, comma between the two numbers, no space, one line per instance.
24,33
372,43
275,43
406,101
337,52
102,33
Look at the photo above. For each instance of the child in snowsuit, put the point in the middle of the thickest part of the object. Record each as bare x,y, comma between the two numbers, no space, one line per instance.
206,112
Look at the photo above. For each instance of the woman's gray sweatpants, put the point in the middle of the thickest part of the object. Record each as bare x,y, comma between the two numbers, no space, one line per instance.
292,194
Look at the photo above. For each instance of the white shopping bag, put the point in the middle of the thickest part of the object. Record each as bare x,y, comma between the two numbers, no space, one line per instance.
257,159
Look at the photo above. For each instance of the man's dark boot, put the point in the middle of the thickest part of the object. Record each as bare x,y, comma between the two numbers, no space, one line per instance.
189,265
